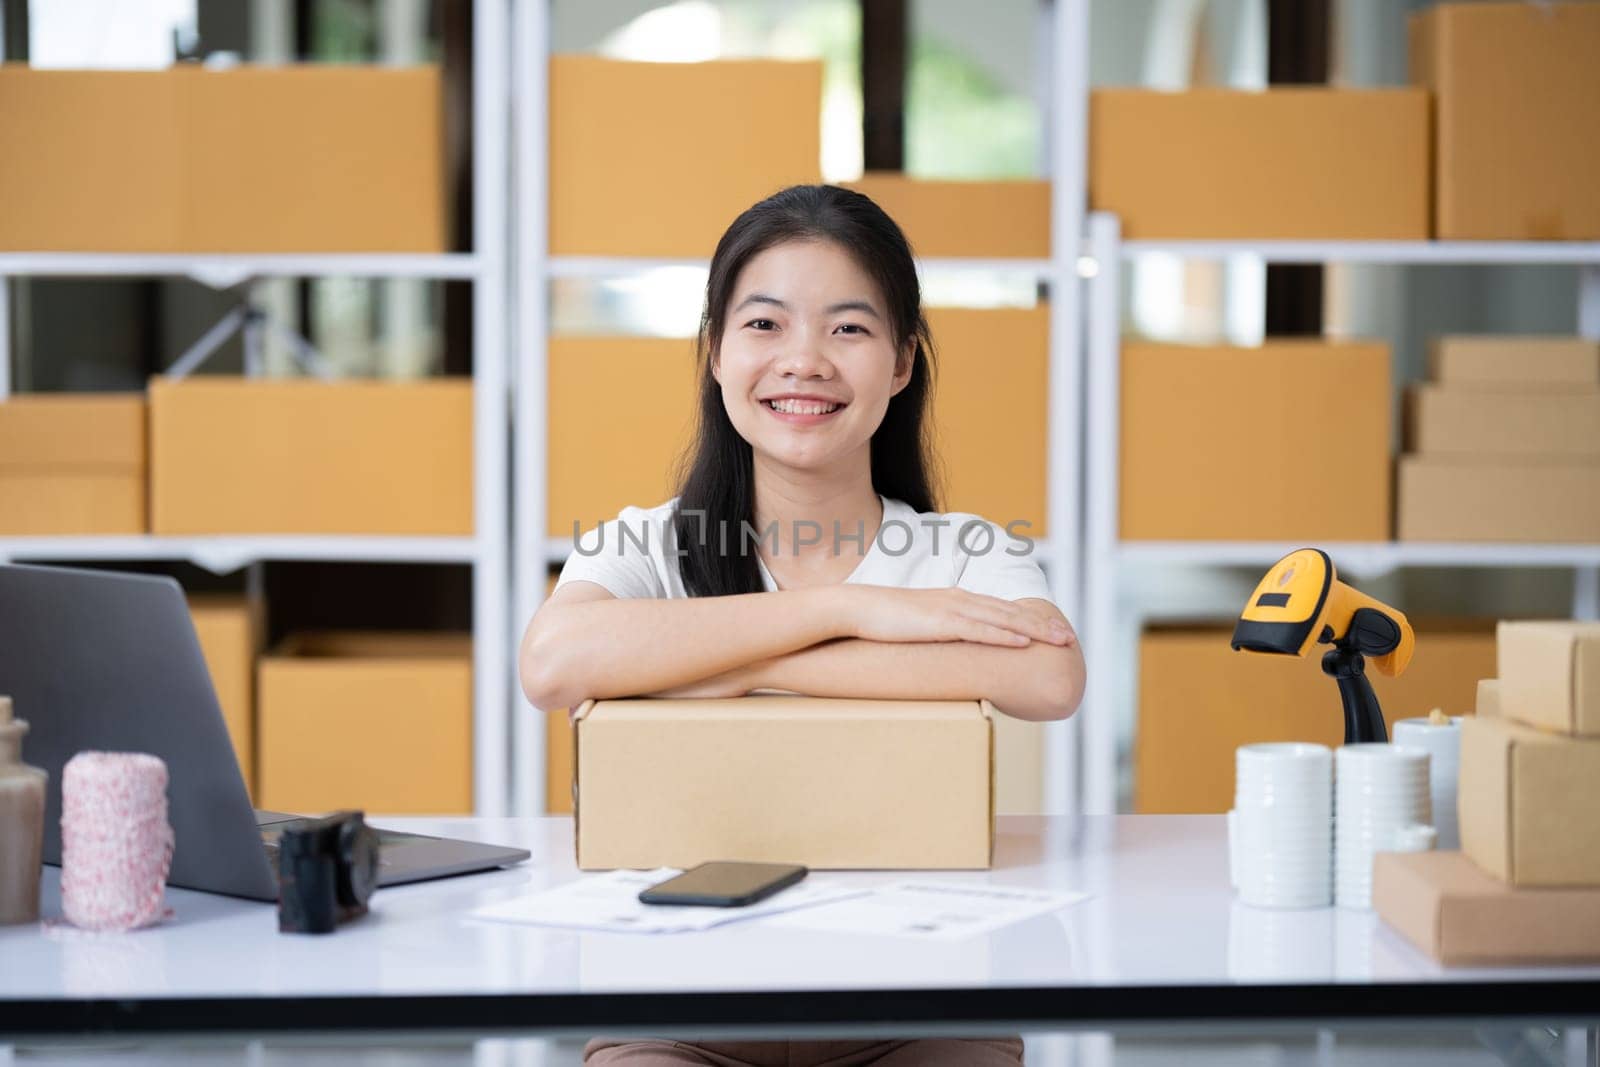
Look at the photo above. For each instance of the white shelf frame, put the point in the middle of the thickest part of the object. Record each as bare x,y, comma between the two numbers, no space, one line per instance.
487,550
534,549
1107,555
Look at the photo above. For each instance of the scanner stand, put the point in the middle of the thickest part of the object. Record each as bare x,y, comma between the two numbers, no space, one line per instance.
1363,718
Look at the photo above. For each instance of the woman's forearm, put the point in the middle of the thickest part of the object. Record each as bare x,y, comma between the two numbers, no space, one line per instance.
1038,682
573,652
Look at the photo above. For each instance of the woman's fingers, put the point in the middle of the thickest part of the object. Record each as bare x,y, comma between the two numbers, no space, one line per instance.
1007,615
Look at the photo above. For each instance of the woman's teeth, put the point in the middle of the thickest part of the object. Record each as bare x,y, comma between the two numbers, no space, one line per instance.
801,407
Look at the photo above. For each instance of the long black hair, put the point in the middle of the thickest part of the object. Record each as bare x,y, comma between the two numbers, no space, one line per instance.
717,484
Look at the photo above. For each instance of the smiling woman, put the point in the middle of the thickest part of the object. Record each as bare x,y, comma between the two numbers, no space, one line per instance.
816,375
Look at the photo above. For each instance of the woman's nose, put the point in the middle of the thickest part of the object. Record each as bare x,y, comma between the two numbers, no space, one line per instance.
804,358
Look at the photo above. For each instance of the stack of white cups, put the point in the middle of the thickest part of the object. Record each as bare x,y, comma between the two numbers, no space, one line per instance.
1384,806
1442,739
1281,826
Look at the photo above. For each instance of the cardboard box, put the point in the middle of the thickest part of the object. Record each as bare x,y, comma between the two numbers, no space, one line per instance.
1281,163
1550,676
230,630
379,722
1527,803
1490,421
831,784
1457,914
622,410
1527,362
229,455
1285,442
72,463
994,219
1490,499
1515,97
1488,704
991,402
1199,701
316,158
630,173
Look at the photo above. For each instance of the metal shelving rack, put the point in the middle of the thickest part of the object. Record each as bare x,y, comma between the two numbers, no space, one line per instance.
486,550
1107,555
534,550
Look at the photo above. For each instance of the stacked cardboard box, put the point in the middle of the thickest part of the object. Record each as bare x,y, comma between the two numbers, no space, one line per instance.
1526,885
1504,442
229,629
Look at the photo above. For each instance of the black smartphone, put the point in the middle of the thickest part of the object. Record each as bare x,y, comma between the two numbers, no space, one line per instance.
724,885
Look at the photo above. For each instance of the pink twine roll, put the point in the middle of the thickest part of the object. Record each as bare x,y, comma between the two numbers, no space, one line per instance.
116,843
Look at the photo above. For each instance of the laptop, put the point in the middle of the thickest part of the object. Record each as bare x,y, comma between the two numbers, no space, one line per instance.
109,661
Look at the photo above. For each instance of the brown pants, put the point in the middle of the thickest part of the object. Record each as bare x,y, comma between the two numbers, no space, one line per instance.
929,1052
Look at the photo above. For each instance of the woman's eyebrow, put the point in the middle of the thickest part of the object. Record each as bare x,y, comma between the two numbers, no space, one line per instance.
833,309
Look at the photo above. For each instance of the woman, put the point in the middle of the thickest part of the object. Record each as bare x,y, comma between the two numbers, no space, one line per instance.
804,550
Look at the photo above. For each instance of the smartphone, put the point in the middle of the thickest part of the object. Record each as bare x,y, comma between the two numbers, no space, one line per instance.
724,885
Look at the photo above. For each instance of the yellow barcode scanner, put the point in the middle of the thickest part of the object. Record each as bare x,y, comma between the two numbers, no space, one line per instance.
1301,603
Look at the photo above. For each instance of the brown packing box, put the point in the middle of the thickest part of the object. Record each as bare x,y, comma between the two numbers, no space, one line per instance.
1492,499
1288,441
831,784
621,411
72,463
630,173
229,455
230,631
999,219
1488,704
1504,421
317,158
380,722
1527,803
1280,163
1515,96
1457,914
1526,362
1550,676
990,410
1199,701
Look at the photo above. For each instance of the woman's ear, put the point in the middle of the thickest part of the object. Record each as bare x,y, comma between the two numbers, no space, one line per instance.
906,362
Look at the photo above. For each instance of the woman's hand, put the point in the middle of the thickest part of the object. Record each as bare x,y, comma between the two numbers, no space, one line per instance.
886,613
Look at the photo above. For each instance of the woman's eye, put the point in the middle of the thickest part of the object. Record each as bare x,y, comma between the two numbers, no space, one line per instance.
762,324
850,327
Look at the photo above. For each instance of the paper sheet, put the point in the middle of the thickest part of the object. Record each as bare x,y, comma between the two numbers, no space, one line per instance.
942,911
610,901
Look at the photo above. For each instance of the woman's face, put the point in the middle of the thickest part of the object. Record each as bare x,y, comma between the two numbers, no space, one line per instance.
807,362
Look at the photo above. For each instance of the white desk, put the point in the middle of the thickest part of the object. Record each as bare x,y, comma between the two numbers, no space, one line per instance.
1160,942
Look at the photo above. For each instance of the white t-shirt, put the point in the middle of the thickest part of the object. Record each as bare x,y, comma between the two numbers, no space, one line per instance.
633,555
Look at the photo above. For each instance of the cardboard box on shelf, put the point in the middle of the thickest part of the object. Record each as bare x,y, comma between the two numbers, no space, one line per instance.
628,164
1514,361
1288,441
1506,422
1493,499
1199,701
622,410
1513,138
230,630
1550,675
830,784
1281,163
229,455
994,219
1526,803
313,158
72,463
380,722
1488,704
991,411
1457,914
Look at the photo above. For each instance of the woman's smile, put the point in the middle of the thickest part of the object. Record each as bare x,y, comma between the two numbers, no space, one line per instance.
802,410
